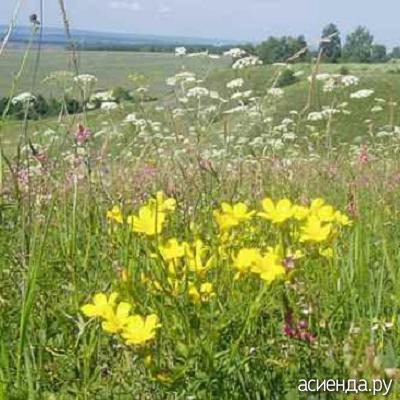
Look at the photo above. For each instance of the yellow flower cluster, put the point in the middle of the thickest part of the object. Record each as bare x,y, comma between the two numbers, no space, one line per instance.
268,265
299,230
151,216
186,264
135,329
296,225
318,218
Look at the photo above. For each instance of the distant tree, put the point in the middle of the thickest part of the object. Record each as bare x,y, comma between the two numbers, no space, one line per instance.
358,47
271,50
249,48
378,53
298,46
331,46
281,49
395,52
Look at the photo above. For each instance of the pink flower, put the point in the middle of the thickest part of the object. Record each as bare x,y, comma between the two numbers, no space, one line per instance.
82,135
364,157
299,331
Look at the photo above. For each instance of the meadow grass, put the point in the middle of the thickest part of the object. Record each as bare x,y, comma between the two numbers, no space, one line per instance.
81,213
111,68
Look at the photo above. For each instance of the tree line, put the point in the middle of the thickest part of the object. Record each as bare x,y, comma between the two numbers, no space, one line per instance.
357,47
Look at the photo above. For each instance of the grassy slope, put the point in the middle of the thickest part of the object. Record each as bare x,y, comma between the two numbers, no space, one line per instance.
111,68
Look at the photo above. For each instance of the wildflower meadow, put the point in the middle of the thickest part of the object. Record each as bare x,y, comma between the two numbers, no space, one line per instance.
221,230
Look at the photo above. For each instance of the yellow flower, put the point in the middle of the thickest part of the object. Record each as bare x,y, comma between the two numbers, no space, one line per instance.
115,215
327,253
342,219
324,212
314,230
244,260
172,250
124,275
232,215
101,306
140,330
175,285
279,213
148,222
300,212
224,221
162,204
163,378
316,204
116,321
194,293
270,266
206,291
238,211
203,295
196,257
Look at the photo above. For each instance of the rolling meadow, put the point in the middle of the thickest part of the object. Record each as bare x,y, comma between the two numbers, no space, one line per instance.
224,231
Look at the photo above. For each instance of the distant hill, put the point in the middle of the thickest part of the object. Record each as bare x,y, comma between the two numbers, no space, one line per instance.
57,37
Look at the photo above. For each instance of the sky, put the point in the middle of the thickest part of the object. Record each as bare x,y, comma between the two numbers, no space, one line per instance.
243,20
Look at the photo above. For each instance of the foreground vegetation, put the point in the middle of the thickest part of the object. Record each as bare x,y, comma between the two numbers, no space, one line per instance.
224,242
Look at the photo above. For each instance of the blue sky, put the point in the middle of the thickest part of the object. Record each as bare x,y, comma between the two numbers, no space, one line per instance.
226,19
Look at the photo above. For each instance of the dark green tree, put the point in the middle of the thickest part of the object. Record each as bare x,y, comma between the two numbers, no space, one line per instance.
379,53
331,44
281,49
395,52
358,47
271,50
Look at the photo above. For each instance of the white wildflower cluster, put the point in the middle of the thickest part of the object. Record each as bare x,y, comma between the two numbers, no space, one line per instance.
235,53
333,82
315,116
276,92
239,109
198,92
362,94
180,51
350,80
109,106
235,83
181,77
102,96
23,98
376,109
131,118
325,113
320,77
241,95
198,54
245,62
85,79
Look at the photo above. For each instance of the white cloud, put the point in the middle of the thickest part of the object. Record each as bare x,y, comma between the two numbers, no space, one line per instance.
125,5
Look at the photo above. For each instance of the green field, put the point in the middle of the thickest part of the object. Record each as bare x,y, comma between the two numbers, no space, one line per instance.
221,241
111,68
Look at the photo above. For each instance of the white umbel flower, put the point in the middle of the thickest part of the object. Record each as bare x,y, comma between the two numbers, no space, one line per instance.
362,94
235,83
23,98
